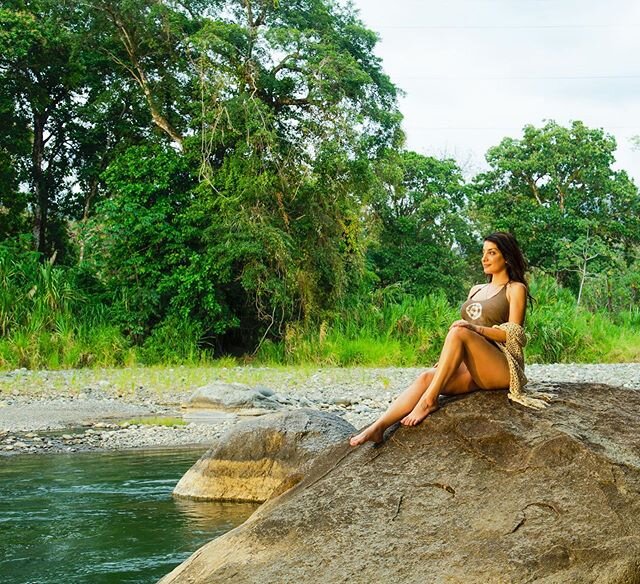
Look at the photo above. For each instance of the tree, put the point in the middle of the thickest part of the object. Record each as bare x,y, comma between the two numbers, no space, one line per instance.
423,228
556,187
279,114
42,74
147,42
296,111
587,257
143,243
14,148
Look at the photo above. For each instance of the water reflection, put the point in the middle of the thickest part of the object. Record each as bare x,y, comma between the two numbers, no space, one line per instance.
207,515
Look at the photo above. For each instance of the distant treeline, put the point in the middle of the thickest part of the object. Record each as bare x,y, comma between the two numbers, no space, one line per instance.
185,180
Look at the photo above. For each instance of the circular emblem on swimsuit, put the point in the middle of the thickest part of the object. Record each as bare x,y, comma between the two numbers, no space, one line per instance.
474,311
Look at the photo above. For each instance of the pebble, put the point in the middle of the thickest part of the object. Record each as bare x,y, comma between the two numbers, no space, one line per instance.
342,401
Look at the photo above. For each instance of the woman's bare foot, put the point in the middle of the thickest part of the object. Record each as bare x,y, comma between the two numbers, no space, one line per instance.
371,434
419,413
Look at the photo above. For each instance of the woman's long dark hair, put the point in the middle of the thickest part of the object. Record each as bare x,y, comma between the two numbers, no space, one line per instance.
511,252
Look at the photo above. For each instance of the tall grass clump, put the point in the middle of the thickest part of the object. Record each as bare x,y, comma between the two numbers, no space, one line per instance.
174,342
46,319
395,329
389,330
560,331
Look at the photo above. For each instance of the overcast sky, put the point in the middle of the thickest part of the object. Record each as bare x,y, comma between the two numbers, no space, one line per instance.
475,71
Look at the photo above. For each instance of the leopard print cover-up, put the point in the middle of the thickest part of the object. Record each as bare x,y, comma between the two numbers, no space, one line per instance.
513,351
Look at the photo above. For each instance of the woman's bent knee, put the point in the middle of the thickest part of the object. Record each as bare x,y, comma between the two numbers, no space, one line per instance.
427,375
460,333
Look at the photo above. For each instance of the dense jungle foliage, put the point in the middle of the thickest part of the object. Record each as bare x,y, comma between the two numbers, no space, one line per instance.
186,179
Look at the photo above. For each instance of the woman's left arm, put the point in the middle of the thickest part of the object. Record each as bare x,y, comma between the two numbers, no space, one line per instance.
517,297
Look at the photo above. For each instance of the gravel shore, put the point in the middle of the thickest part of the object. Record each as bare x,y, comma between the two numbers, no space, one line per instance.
72,411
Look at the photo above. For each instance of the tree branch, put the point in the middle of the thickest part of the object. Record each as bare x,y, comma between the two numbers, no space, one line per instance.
284,65
138,73
299,101
261,18
249,8
534,188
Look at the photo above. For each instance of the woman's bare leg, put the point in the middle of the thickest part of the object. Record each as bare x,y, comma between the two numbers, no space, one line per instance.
460,382
486,364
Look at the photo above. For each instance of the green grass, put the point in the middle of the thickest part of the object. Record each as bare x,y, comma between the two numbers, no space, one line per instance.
162,380
411,333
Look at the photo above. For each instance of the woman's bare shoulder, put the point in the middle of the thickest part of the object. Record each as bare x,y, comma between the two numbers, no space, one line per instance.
474,289
516,287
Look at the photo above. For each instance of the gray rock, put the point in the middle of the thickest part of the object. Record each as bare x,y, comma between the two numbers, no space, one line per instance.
266,391
342,401
483,491
259,458
231,397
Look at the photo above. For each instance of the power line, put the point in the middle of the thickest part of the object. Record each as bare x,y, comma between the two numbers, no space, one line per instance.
503,128
520,77
501,27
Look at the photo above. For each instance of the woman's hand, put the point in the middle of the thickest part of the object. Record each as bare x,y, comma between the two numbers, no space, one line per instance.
465,324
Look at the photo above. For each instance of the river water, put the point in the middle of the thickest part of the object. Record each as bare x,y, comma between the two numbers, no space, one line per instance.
102,518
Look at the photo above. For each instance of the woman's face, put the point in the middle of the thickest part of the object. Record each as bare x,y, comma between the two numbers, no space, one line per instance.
493,261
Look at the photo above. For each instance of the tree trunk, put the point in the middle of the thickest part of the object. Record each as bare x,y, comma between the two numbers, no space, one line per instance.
41,210
85,217
582,279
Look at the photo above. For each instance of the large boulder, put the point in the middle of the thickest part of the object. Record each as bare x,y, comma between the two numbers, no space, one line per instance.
483,491
233,397
261,457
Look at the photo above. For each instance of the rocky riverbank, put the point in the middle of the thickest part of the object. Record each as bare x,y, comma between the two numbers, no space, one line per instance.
73,411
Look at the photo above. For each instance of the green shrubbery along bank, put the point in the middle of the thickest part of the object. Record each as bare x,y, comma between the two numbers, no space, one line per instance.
181,182
50,321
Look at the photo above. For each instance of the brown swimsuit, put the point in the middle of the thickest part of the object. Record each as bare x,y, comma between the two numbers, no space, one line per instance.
489,312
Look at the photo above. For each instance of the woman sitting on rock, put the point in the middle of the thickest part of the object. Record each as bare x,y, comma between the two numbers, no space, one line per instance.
481,351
